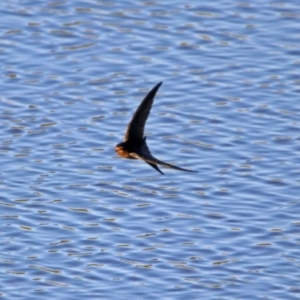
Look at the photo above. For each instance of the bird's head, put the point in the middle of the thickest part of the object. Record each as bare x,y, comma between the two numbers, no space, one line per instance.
119,147
121,150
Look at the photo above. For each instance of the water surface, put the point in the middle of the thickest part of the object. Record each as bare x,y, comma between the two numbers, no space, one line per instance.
79,222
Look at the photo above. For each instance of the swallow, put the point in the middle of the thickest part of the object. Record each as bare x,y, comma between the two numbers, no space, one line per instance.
134,145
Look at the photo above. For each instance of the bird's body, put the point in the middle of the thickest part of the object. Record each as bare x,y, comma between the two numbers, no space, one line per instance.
134,145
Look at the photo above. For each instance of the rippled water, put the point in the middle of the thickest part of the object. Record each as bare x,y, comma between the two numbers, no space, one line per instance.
79,222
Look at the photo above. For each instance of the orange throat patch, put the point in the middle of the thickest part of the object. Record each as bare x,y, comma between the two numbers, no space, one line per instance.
123,153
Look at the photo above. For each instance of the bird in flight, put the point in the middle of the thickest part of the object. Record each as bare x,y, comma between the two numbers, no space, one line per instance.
134,145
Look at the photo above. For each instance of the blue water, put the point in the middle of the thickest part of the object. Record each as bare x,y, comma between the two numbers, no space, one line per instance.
78,222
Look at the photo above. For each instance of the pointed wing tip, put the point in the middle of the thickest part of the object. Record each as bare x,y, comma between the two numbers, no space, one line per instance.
157,86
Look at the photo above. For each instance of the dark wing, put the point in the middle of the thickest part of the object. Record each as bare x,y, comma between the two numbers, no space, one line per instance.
135,129
146,155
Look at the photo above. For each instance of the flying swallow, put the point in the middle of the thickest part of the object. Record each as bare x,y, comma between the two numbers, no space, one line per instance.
134,145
